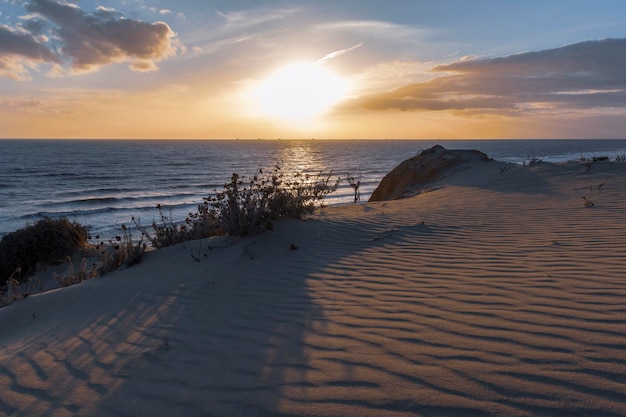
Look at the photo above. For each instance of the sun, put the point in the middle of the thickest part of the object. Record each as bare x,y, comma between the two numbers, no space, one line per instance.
299,91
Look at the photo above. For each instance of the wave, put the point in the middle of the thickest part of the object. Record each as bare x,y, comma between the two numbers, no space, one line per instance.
68,213
82,175
178,164
121,202
60,174
103,190
29,170
92,212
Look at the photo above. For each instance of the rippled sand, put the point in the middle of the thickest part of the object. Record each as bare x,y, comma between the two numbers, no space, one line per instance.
498,293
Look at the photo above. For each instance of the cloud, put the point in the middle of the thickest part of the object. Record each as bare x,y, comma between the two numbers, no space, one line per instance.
579,76
338,53
374,29
143,66
21,105
242,19
262,25
59,33
105,37
20,51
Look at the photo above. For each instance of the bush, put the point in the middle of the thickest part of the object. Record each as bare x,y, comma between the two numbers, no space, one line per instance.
120,251
16,291
244,207
73,276
48,241
247,206
168,233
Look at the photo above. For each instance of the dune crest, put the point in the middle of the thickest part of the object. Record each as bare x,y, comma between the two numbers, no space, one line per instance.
430,165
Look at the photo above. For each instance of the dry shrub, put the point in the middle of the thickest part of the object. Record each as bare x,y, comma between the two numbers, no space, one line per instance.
244,207
248,205
76,275
46,242
121,251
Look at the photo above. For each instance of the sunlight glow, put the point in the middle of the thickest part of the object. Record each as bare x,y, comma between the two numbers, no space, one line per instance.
299,91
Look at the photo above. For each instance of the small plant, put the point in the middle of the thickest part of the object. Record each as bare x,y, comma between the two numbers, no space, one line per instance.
121,250
73,277
355,183
201,224
15,290
166,232
587,202
12,293
194,256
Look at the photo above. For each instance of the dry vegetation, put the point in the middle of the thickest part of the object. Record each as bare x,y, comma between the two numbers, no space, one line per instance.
245,206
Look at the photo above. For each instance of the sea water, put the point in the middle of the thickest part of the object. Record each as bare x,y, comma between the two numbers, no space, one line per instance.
104,183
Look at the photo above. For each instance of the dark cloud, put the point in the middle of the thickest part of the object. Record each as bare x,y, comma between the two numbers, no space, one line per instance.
13,42
58,33
35,26
584,75
19,51
105,37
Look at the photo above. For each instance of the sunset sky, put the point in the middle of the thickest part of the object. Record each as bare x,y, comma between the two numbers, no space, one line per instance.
301,69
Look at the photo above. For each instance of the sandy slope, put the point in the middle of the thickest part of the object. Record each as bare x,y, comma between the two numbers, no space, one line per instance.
496,293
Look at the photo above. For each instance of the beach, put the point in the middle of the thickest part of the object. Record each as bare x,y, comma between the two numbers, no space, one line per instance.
496,290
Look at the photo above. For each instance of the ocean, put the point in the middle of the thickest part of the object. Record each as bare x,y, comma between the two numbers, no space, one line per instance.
103,183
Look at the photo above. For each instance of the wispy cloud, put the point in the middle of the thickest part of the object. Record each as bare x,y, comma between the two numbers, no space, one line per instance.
584,75
20,105
218,45
374,28
338,53
237,27
248,18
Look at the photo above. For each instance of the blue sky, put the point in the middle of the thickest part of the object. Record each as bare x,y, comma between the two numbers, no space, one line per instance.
411,69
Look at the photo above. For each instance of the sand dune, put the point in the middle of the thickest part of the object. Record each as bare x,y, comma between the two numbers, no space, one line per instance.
495,293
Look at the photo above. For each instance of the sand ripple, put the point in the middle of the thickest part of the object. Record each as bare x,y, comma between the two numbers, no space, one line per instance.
505,297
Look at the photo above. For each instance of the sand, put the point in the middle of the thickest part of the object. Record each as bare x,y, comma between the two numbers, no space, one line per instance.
495,293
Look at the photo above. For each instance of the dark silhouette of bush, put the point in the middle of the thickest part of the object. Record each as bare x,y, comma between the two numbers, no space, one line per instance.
248,205
46,242
245,206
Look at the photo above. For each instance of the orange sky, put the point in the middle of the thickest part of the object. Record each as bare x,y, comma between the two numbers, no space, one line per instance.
241,69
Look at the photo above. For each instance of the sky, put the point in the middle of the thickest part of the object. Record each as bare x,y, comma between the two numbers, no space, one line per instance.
343,69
